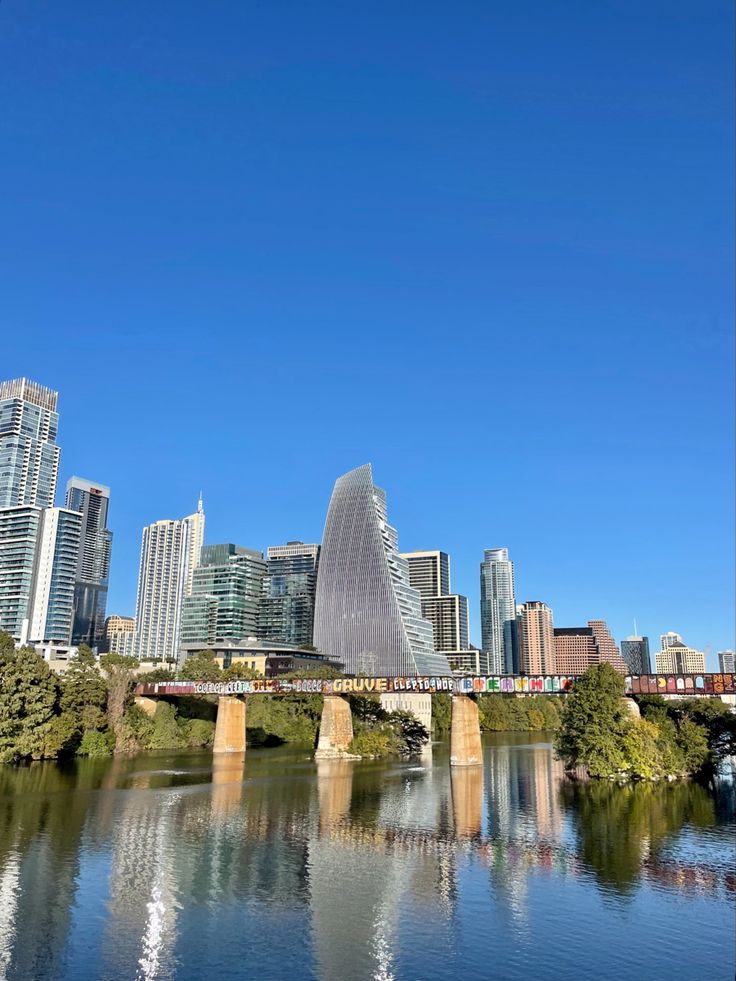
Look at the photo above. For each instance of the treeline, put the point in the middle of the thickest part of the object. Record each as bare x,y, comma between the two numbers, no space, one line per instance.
503,713
90,711
600,737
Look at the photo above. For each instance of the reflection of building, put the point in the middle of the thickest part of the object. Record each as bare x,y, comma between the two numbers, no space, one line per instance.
635,652
727,662
167,549
225,595
536,639
366,613
93,560
286,611
578,648
676,657
498,610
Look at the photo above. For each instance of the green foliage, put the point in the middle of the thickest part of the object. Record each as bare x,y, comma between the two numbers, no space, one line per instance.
518,713
82,685
378,741
95,744
412,734
242,671
29,695
201,667
594,723
197,733
120,674
151,677
166,733
441,713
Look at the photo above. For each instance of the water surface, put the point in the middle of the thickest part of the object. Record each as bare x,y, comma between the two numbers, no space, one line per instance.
276,867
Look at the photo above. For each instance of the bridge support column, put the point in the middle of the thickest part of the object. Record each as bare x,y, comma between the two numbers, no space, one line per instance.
147,704
465,745
335,729
230,725
632,708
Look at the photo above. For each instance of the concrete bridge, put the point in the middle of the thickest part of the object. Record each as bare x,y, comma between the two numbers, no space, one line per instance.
336,724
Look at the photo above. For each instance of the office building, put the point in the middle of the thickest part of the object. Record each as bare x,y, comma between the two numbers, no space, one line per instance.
536,639
166,554
578,648
120,635
471,661
92,501
429,574
225,597
29,456
286,612
196,543
19,531
57,547
268,658
635,652
727,662
498,611
366,613
677,658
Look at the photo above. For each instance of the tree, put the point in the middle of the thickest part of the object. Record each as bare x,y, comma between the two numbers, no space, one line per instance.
201,667
82,685
28,705
120,673
594,723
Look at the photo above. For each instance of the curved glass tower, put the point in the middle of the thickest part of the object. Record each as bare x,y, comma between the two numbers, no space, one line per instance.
366,613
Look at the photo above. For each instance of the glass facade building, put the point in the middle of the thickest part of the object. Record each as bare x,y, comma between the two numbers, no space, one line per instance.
29,456
19,532
93,560
225,598
498,611
286,612
55,576
366,613
635,651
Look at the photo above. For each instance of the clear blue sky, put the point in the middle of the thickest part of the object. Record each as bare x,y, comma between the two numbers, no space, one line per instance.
485,246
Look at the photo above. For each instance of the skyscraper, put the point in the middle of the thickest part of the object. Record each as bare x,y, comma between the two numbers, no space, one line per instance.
55,574
289,587
676,657
366,613
577,648
93,560
29,456
196,543
120,635
225,597
727,662
536,639
19,531
635,651
166,554
429,574
498,610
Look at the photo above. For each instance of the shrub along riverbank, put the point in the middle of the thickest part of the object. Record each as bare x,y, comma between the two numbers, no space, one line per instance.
599,736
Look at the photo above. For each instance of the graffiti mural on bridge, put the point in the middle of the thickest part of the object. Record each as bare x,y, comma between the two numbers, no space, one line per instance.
656,684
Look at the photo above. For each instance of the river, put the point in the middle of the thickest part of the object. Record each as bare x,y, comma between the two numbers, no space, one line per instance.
276,867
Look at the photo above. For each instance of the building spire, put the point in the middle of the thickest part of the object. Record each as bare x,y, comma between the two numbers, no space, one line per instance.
200,505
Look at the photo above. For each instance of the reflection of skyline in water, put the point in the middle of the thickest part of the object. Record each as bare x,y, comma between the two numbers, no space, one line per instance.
337,851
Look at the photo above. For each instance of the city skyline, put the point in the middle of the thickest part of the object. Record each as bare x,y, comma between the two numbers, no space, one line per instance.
115,606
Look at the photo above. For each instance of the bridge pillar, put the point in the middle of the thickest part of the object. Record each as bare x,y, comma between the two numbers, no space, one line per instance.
335,729
147,704
230,725
465,745
632,708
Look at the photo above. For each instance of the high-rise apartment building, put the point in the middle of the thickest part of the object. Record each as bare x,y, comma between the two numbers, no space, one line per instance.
19,530
429,574
635,652
286,612
366,613
727,662
29,456
498,611
52,614
93,561
120,635
677,658
225,597
536,638
166,555
578,648
196,544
